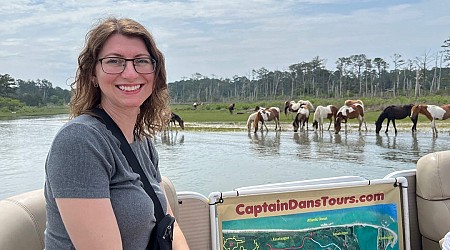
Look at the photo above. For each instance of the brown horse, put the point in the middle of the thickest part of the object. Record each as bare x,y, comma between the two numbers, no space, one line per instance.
269,114
231,108
349,112
432,112
176,118
301,118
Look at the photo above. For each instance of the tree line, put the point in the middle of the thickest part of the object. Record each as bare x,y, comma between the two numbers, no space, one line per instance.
353,76
15,94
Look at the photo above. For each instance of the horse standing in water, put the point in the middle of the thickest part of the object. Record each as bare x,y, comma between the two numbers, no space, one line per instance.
176,118
321,113
252,117
432,112
301,118
349,112
391,113
270,114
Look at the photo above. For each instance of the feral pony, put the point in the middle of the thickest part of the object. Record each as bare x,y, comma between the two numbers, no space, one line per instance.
301,118
352,102
349,112
231,108
252,116
269,114
391,113
432,112
293,107
329,112
174,118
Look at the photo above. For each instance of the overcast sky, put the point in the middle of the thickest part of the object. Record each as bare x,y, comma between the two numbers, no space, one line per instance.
41,39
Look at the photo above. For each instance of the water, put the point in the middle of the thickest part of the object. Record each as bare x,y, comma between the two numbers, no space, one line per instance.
220,161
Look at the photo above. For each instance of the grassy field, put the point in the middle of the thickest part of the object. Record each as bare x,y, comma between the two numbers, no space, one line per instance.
34,111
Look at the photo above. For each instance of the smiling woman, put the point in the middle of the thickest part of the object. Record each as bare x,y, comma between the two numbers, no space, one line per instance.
94,193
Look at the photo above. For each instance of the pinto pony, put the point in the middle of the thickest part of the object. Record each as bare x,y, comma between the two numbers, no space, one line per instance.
432,112
252,117
349,112
292,106
353,102
270,114
301,118
321,113
176,118
391,113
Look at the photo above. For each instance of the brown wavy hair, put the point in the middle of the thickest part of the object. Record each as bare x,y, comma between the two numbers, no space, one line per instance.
154,113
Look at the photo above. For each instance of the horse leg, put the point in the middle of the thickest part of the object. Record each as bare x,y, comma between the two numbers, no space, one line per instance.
395,127
329,125
364,120
433,126
387,126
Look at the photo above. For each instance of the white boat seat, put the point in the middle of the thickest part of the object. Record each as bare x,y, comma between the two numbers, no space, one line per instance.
433,198
22,218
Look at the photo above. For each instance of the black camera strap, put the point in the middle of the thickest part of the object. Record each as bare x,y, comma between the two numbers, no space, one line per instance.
131,158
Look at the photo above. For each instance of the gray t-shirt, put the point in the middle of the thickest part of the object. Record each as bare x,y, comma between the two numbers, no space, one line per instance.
85,161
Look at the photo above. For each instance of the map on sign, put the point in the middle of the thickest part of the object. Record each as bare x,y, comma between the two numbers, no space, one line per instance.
368,227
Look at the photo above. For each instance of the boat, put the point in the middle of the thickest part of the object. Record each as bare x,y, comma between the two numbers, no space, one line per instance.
407,209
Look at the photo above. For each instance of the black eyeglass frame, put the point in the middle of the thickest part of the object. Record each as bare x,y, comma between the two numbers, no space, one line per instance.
125,64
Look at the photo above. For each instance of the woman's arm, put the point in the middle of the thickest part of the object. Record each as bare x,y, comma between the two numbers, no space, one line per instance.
90,223
179,241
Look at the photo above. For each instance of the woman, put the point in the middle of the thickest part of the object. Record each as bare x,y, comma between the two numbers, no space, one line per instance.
94,199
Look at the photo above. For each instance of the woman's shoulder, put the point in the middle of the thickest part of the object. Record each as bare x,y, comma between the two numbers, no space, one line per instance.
83,127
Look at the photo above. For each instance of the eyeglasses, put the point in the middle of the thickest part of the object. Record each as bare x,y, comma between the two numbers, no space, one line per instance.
116,65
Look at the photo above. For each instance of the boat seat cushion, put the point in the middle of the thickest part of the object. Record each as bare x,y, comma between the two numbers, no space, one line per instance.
433,195
23,218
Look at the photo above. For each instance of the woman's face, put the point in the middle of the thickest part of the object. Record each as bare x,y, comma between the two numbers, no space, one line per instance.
129,89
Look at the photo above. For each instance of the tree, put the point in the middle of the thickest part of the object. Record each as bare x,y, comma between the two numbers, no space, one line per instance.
7,86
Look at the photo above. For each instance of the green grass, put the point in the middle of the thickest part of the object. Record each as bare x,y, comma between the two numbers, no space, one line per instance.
34,111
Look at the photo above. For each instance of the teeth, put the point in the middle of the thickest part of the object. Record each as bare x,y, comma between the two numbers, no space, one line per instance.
129,88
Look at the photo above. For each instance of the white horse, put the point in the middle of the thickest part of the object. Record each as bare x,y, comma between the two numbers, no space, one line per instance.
321,113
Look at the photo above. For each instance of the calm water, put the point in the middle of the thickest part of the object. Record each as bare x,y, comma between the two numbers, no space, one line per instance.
220,161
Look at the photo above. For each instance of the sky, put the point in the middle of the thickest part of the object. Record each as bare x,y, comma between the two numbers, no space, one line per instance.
41,39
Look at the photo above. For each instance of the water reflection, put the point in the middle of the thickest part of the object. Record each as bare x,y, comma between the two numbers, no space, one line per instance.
266,143
170,137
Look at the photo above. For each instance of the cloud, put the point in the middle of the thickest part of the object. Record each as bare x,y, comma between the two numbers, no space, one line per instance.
223,38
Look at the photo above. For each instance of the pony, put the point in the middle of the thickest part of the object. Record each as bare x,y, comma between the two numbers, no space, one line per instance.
352,102
322,112
349,112
231,108
432,112
252,116
270,114
194,105
391,113
176,118
301,118
292,106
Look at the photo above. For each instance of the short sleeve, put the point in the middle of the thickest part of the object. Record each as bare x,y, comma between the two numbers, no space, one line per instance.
80,163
